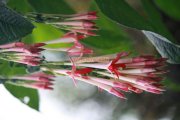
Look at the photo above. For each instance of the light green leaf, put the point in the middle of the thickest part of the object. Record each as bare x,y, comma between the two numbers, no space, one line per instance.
23,93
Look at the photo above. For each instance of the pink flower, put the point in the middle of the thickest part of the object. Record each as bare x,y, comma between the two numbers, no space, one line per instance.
118,73
22,48
37,80
86,16
118,65
77,49
35,48
11,45
81,76
78,23
28,62
39,85
22,53
69,37
114,66
84,31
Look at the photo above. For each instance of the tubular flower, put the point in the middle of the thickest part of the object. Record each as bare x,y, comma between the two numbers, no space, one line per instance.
78,23
22,53
37,80
77,49
69,37
118,65
118,73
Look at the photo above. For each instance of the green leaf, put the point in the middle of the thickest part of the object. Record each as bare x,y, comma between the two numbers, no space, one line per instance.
171,85
43,33
12,25
155,19
21,6
17,91
170,7
163,45
166,48
48,6
120,12
123,14
107,43
23,93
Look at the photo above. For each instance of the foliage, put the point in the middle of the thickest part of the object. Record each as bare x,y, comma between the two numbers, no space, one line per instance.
129,17
12,25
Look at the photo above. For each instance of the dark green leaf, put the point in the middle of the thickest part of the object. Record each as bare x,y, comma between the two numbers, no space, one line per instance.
120,12
171,85
155,18
12,25
107,43
170,7
48,6
123,14
21,6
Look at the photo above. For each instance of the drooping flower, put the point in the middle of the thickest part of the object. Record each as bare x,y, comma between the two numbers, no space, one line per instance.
118,65
118,73
86,16
12,45
38,80
22,47
77,23
22,53
77,49
69,37
81,76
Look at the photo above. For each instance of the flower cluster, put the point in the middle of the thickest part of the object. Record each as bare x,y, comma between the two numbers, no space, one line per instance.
31,54
80,27
77,23
38,80
117,73
22,53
